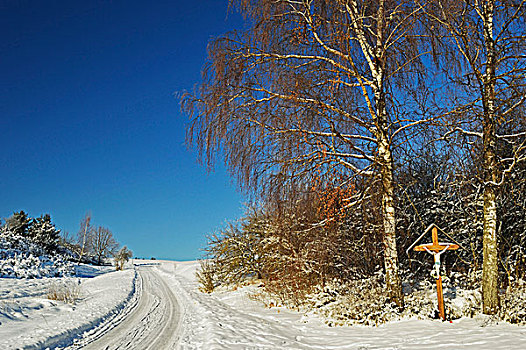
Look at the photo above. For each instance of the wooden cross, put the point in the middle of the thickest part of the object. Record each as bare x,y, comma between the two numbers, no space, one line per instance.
436,249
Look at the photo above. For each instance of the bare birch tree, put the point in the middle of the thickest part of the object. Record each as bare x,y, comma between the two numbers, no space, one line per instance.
313,88
84,237
104,245
484,50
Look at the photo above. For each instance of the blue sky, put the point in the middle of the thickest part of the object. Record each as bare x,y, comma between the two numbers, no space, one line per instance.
89,121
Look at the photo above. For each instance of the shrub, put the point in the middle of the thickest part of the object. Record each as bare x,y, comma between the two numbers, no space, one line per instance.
22,258
67,291
205,276
513,303
121,257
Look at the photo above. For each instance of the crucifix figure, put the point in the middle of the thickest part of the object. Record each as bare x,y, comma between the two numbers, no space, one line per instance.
436,249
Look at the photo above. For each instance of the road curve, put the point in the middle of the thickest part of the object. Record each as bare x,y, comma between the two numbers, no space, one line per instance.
152,324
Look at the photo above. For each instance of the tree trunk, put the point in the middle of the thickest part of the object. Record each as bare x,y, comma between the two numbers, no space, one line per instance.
490,270
392,278
85,232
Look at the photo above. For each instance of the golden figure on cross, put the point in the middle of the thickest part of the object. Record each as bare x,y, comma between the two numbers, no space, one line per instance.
436,249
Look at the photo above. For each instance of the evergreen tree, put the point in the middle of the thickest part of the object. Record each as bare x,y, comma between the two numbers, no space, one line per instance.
18,224
44,233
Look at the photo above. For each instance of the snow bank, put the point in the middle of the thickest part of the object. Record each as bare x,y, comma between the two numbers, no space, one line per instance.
29,320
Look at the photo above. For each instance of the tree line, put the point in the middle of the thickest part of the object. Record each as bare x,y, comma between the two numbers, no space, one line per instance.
91,244
355,124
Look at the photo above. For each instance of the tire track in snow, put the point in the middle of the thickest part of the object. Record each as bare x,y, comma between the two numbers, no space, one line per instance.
152,324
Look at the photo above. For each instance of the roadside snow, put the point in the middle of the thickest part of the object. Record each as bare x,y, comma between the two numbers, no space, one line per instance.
28,319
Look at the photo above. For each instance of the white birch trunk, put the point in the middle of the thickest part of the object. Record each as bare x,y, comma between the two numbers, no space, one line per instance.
490,270
392,278
84,234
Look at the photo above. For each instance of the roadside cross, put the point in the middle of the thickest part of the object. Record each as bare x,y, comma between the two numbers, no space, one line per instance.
436,248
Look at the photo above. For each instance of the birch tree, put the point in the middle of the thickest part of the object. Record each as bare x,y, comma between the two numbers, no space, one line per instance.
484,43
84,237
18,223
103,244
310,89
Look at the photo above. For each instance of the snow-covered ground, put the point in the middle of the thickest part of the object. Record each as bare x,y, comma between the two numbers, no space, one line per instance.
232,320
222,320
28,319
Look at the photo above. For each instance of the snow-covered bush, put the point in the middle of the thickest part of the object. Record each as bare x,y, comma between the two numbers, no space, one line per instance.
513,303
365,301
22,258
358,302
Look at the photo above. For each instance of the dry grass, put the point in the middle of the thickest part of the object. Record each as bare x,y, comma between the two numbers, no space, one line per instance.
67,291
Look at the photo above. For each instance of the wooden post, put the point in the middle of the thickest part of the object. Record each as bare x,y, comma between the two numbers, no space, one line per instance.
434,235
440,293
440,296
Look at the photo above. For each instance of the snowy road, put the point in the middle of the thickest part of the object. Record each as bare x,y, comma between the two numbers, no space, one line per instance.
151,324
